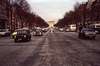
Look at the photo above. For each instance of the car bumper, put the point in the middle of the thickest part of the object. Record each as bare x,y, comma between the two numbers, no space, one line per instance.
37,33
20,38
90,35
2,34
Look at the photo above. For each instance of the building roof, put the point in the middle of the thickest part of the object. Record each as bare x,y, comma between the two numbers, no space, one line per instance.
90,3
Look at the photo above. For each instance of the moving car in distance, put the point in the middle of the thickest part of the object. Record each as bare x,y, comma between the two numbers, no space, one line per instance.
5,32
67,30
71,27
95,27
44,30
86,32
61,29
22,34
37,32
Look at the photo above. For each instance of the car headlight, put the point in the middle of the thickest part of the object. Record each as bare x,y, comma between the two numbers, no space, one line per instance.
24,36
14,33
3,33
94,33
14,36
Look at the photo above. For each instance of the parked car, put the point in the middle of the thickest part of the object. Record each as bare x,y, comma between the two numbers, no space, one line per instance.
44,29
67,30
22,34
86,32
95,27
61,29
5,32
37,32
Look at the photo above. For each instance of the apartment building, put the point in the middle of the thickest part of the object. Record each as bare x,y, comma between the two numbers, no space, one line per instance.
90,3
3,17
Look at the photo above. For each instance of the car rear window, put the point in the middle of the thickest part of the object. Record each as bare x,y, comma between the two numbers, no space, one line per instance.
22,31
98,26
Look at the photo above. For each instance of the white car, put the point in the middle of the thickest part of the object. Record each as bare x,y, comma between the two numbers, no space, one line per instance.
37,32
61,29
67,30
5,32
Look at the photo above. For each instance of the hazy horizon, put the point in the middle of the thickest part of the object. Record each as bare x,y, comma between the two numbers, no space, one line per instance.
52,9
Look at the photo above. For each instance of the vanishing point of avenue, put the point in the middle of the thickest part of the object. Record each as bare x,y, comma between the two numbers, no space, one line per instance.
29,37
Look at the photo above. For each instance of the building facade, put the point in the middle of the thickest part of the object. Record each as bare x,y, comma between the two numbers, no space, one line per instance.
3,17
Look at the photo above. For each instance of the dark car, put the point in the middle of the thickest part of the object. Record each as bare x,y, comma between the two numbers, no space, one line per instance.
5,32
86,32
15,33
37,32
44,30
22,35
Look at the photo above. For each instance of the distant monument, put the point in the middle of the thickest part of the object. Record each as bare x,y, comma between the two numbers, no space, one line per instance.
51,23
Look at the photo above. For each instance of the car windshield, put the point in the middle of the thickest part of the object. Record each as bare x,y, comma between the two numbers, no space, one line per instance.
17,30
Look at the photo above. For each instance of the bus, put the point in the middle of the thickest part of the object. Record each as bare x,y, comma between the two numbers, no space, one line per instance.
95,27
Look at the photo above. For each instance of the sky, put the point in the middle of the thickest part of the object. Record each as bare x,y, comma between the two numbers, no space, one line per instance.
52,9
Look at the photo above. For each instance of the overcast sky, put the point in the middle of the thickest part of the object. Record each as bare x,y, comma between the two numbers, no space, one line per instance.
52,9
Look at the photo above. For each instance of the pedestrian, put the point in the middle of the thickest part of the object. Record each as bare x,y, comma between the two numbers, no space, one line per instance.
80,27
51,30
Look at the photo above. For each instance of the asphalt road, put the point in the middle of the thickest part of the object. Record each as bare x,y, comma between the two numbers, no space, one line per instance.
51,49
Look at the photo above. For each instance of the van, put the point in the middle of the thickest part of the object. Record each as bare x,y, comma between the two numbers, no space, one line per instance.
95,27
72,27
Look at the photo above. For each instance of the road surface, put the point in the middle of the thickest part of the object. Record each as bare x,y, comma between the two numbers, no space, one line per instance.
51,49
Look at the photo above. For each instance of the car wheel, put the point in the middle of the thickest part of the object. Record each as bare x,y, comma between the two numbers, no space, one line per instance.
5,35
29,39
83,37
41,34
9,34
93,37
78,36
12,37
15,40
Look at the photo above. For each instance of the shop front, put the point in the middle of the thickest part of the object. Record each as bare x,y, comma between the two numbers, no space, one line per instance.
3,21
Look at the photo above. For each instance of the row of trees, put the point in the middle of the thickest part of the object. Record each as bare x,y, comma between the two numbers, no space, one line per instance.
82,14
19,15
